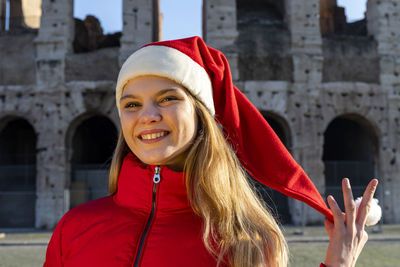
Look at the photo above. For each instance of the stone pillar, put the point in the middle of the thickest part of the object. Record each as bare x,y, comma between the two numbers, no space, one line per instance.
219,29
52,177
307,146
54,41
384,25
51,160
141,24
302,17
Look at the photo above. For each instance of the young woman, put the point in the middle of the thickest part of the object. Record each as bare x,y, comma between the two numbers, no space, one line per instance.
179,195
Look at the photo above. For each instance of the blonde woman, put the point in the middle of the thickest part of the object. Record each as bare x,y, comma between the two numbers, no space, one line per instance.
179,195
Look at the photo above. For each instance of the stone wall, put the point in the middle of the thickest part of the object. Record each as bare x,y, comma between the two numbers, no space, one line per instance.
333,69
278,57
350,58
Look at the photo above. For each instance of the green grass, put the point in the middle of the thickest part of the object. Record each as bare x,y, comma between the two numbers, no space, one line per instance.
375,254
307,254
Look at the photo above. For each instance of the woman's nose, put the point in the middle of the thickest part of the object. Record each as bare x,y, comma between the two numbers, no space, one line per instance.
150,114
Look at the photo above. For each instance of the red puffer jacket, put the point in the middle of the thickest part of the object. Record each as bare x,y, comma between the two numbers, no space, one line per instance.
146,223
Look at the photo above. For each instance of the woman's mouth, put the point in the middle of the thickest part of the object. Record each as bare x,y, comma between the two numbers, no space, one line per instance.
152,137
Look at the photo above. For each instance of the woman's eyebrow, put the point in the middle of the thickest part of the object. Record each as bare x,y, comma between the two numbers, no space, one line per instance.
161,92
127,96
164,91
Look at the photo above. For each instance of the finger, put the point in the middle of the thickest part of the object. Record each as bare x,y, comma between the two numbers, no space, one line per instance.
350,206
365,204
362,241
337,213
329,228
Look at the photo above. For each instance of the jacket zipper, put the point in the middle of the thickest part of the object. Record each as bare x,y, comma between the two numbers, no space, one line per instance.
156,180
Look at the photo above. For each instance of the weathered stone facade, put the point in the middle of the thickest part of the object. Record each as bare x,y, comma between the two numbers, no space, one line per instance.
299,70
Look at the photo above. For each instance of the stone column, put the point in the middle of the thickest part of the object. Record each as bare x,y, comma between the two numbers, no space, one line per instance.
302,17
141,24
219,29
54,41
384,25
52,171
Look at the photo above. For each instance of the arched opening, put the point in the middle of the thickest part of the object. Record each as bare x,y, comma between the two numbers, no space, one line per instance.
350,150
343,17
177,24
278,202
344,29
263,56
92,146
97,25
17,174
17,15
280,127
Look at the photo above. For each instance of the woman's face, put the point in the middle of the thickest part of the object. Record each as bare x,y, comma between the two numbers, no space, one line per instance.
159,121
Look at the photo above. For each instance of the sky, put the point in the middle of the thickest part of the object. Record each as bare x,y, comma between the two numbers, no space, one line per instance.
181,18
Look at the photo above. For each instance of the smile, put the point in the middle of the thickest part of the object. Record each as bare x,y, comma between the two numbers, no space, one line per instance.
152,136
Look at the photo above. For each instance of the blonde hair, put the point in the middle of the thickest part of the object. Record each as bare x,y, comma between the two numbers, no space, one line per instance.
238,229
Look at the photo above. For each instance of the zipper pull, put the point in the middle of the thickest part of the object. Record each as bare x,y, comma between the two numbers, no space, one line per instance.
157,178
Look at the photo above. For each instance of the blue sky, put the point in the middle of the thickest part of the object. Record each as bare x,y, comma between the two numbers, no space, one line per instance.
181,18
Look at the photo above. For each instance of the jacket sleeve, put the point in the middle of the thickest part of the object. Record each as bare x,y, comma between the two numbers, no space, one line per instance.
54,248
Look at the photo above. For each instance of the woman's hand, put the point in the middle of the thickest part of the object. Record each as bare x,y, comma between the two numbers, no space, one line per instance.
347,235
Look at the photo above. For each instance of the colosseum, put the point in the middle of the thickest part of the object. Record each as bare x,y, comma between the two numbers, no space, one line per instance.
329,88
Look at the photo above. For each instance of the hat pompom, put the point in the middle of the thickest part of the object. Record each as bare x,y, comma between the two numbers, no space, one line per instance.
375,212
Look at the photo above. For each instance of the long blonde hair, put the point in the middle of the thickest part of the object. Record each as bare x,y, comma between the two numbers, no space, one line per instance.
238,229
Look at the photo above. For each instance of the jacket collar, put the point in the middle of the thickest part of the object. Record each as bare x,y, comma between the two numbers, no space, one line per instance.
135,187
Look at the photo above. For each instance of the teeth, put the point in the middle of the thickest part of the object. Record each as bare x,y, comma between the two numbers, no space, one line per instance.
152,136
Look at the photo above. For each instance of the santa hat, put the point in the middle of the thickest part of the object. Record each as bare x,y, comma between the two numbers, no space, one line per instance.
205,72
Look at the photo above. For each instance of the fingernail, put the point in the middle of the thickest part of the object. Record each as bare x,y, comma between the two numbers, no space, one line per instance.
347,182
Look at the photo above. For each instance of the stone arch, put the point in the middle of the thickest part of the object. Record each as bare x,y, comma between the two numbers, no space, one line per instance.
90,142
278,202
351,149
280,126
17,172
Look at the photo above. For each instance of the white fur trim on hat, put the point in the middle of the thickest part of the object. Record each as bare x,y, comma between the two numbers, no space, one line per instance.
374,214
169,63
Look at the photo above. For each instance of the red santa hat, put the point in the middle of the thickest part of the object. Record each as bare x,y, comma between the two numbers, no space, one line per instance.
205,72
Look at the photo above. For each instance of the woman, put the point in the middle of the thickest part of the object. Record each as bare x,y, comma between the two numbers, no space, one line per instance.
178,193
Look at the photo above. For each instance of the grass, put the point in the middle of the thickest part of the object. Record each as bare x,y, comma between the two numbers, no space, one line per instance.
375,254
307,254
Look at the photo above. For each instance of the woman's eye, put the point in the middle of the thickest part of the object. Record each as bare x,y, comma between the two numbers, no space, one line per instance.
168,98
131,105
